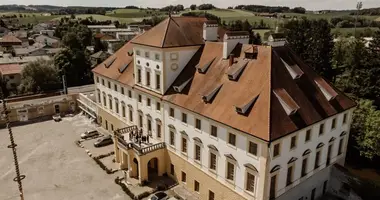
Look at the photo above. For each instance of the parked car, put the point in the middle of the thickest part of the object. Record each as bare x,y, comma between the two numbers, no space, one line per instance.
89,134
57,117
159,196
104,141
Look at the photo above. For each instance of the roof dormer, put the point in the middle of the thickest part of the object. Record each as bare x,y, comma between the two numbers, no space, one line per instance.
286,101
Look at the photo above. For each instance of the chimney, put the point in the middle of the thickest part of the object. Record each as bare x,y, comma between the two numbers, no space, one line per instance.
231,60
210,30
231,39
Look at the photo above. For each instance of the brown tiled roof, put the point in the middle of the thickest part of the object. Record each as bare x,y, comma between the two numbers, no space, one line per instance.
10,39
174,32
261,78
10,69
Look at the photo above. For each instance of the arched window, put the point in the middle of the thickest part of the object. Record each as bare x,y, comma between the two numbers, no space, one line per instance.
292,160
275,168
320,145
307,152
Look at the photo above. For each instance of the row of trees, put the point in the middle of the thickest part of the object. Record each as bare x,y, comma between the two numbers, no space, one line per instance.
270,9
350,66
349,22
171,8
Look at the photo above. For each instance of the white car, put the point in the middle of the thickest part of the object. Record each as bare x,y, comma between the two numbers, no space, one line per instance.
159,196
89,134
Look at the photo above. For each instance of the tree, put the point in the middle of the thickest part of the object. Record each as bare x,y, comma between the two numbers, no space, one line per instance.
117,46
39,76
299,10
365,129
313,42
75,65
193,7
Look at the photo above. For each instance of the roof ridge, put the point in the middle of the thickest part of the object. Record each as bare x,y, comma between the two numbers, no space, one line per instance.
166,32
270,94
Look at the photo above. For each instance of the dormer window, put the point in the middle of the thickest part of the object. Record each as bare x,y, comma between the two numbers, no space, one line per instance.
326,89
109,63
236,70
179,88
210,95
287,102
204,68
293,70
244,108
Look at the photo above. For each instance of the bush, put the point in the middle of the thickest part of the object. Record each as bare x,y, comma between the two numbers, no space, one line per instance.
108,171
104,155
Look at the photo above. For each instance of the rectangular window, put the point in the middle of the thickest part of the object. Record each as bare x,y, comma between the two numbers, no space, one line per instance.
140,121
345,118
138,75
184,117
106,125
149,122
172,141
110,102
252,148
146,54
158,130
102,81
211,195
137,52
321,129
198,124
183,177
115,87
97,79
148,78
158,105
140,98
148,102
308,135
123,110
232,139
230,171
276,150
122,90
250,184
104,100
340,149
197,153
289,176
184,145
293,142
333,123
214,131
109,85
172,169
304,167
157,56
112,127
317,157
158,81
130,115
273,183
129,93
99,98
328,158
212,161
171,112
117,106
324,187
196,186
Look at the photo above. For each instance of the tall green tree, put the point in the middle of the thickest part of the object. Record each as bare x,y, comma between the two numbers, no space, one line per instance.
313,42
39,76
366,129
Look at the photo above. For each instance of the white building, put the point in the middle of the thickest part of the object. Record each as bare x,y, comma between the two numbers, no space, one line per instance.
226,119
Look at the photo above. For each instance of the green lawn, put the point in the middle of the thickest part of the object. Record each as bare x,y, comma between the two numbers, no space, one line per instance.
133,13
100,18
351,31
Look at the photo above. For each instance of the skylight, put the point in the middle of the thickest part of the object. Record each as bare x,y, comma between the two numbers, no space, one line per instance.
286,101
293,70
235,70
108,64
208,97
179,88
243,109
205,67
326,89
124,67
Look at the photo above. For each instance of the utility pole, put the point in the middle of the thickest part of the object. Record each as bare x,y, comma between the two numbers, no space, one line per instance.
12,146
359,6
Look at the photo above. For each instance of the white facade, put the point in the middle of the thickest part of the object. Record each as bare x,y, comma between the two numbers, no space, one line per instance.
230,42
210,32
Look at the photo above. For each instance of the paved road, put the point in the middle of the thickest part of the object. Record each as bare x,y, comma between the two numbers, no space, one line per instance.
55,168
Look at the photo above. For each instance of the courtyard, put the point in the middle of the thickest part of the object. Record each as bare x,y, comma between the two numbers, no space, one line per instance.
54,166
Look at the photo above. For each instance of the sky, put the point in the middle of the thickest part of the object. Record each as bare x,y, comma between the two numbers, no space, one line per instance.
308,4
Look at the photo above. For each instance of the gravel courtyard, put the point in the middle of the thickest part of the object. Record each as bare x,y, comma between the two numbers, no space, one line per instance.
54,166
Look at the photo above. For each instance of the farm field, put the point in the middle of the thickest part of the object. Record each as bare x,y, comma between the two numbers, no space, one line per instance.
133,13
102,18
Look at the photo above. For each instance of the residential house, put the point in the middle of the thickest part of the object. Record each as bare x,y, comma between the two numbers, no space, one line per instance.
49,33
9,59
97,28
11,74
224,118
3,31
98,57
47,41
10,40
42,26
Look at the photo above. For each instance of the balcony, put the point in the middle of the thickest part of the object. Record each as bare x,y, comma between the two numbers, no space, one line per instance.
132,138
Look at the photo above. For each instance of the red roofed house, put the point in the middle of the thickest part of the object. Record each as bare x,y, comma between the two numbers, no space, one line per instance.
226,119
10,40
11,73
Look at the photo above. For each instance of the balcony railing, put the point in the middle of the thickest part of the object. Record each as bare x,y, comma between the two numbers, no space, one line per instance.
136,143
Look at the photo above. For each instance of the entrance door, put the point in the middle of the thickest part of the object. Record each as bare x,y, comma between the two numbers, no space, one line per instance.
56,108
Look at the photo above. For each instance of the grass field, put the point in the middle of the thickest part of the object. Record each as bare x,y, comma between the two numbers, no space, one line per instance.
133,13
351,31
102,18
